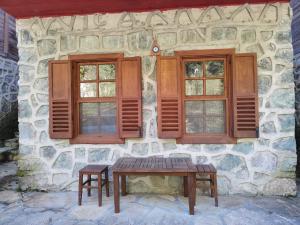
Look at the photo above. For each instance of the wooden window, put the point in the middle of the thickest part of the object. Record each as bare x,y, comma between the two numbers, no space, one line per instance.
100,111
208,109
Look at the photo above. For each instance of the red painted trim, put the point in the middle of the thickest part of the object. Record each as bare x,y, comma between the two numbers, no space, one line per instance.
47,8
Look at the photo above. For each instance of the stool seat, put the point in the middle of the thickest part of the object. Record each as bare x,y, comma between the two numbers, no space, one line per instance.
95,170
210,170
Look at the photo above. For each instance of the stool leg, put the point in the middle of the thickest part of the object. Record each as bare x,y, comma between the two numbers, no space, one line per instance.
185,186
106,183
123,185
100,189
211,176
80,188
89,184
216,190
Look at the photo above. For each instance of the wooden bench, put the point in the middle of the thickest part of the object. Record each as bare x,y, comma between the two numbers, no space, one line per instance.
157,167
96,170
209,170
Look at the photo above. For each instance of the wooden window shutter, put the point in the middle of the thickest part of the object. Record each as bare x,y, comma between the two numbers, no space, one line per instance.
168,97
60,99
130,98
245,98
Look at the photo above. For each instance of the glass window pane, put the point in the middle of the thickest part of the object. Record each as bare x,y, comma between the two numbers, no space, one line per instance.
193,87
193,69
107,72
88,90
215,87
214,69
88,72
107,89
205,116
97,118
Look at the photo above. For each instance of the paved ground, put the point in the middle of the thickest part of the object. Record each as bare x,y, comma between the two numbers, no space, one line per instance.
60,208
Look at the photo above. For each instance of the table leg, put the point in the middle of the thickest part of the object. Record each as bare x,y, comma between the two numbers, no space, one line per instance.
123,185
106,183
185,186
116,192
192,194
89,185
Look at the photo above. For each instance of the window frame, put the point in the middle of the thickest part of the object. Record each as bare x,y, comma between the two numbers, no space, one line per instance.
78,60
206,55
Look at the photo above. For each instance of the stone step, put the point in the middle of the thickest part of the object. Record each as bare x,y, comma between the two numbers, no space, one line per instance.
8,176
8,153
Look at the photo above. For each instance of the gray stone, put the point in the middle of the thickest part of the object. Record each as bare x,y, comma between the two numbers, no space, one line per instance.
26,149
149,95
265,64
285,55
180,155
214,148
257,48
89,42
43,137
248,36
26,37
201,159
42,98
266,35
8,197
41,84
27,55
26,73
286,77
60,178
248,189
167,39
68,42
269,127
40,123
24,90
194,148
264,84
27,131
264,162
24,109
283,37
98,154
279,68
157,181
286,122
140,149
64,161
148,64
288,164
286,187
79,153
77,167
155,147
46,47
141,40
223,33
113,41
190,36
229,162
245,147
169,146
43,66
285,144
47,152
147,114
282,98
43,111
224,185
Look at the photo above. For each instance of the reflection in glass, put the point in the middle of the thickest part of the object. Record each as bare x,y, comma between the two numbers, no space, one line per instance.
97,118
88,90
205,117
88,72
215,87
214,69
107,72
107,89
193,87
193,69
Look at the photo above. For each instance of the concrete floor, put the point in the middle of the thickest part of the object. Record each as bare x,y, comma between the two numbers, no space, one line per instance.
60,208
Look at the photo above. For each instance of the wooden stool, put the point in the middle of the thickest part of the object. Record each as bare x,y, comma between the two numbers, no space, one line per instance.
90,170
212,172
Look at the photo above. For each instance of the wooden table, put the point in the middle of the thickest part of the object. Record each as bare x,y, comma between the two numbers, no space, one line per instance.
155,167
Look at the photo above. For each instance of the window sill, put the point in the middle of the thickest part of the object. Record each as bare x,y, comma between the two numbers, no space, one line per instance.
90,139
213,139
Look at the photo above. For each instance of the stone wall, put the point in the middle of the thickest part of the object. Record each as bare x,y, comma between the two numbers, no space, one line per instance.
253,166
8,98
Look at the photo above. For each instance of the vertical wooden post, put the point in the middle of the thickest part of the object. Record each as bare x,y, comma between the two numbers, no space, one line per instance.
123,185
116,192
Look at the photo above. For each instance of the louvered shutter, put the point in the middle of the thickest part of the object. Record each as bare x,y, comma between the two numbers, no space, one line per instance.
60,99
168,97
130,98
245,98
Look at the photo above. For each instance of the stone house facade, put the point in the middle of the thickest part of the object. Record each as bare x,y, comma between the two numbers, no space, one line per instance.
264,165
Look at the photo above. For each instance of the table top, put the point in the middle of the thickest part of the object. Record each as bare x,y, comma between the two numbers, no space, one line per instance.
154,165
